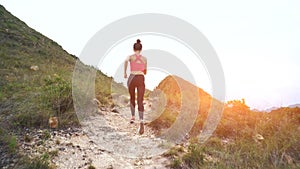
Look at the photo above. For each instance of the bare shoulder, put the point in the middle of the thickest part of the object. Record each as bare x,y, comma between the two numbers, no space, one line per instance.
144,58
130,58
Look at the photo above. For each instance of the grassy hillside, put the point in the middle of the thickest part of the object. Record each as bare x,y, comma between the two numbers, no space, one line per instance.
36,82
29,97
242,139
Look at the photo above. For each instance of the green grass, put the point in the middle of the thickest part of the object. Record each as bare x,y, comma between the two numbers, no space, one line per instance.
91,167
176,163
174,151
8,141
30,97
46,134
27,97
36,163
194,158
27,138
12,143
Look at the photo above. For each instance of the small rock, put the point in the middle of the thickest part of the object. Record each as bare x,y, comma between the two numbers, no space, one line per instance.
138,163
258,137
110,167
99,112
68,143
53,122
115,110
147,162
96,102
29,144
40,142
112,105
61,149
34,68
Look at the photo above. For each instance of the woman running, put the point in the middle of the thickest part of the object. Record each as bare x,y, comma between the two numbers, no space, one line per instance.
136,80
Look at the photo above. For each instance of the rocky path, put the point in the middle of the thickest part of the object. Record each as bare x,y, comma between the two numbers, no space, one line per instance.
106,140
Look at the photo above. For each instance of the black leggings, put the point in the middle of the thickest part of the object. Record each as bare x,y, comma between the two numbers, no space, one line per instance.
136,81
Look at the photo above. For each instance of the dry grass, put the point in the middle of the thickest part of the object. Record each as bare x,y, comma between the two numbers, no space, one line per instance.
243,138
272,141
28,97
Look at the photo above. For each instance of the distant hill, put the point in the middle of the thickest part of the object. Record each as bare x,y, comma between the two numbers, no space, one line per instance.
36,77
294,106
271,109
275,108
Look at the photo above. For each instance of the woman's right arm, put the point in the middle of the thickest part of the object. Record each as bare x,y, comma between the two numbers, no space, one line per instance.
125,66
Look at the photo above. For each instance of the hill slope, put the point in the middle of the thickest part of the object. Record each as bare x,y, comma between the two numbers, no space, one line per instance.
35,84
242,139
35,77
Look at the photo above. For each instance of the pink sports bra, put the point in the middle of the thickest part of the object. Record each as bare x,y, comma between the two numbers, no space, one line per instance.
137,64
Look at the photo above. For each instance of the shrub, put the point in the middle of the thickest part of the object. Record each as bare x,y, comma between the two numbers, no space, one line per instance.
46,135
32,118
194,158
12,143
27,138
58,94
9,142
174,151
91,167
176,163
36,163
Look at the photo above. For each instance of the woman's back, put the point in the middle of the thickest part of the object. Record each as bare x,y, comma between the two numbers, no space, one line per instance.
137,63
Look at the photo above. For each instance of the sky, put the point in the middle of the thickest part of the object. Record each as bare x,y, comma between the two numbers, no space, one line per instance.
256,41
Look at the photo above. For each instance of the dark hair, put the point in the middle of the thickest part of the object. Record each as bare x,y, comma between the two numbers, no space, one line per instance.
137,45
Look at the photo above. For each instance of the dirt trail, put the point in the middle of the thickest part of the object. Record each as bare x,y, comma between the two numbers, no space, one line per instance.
112,132
105,140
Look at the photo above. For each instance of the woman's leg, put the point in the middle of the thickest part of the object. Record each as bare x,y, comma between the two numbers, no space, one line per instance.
131,89
140,96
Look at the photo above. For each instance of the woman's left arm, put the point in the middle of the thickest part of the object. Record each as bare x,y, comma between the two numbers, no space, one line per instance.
145,70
